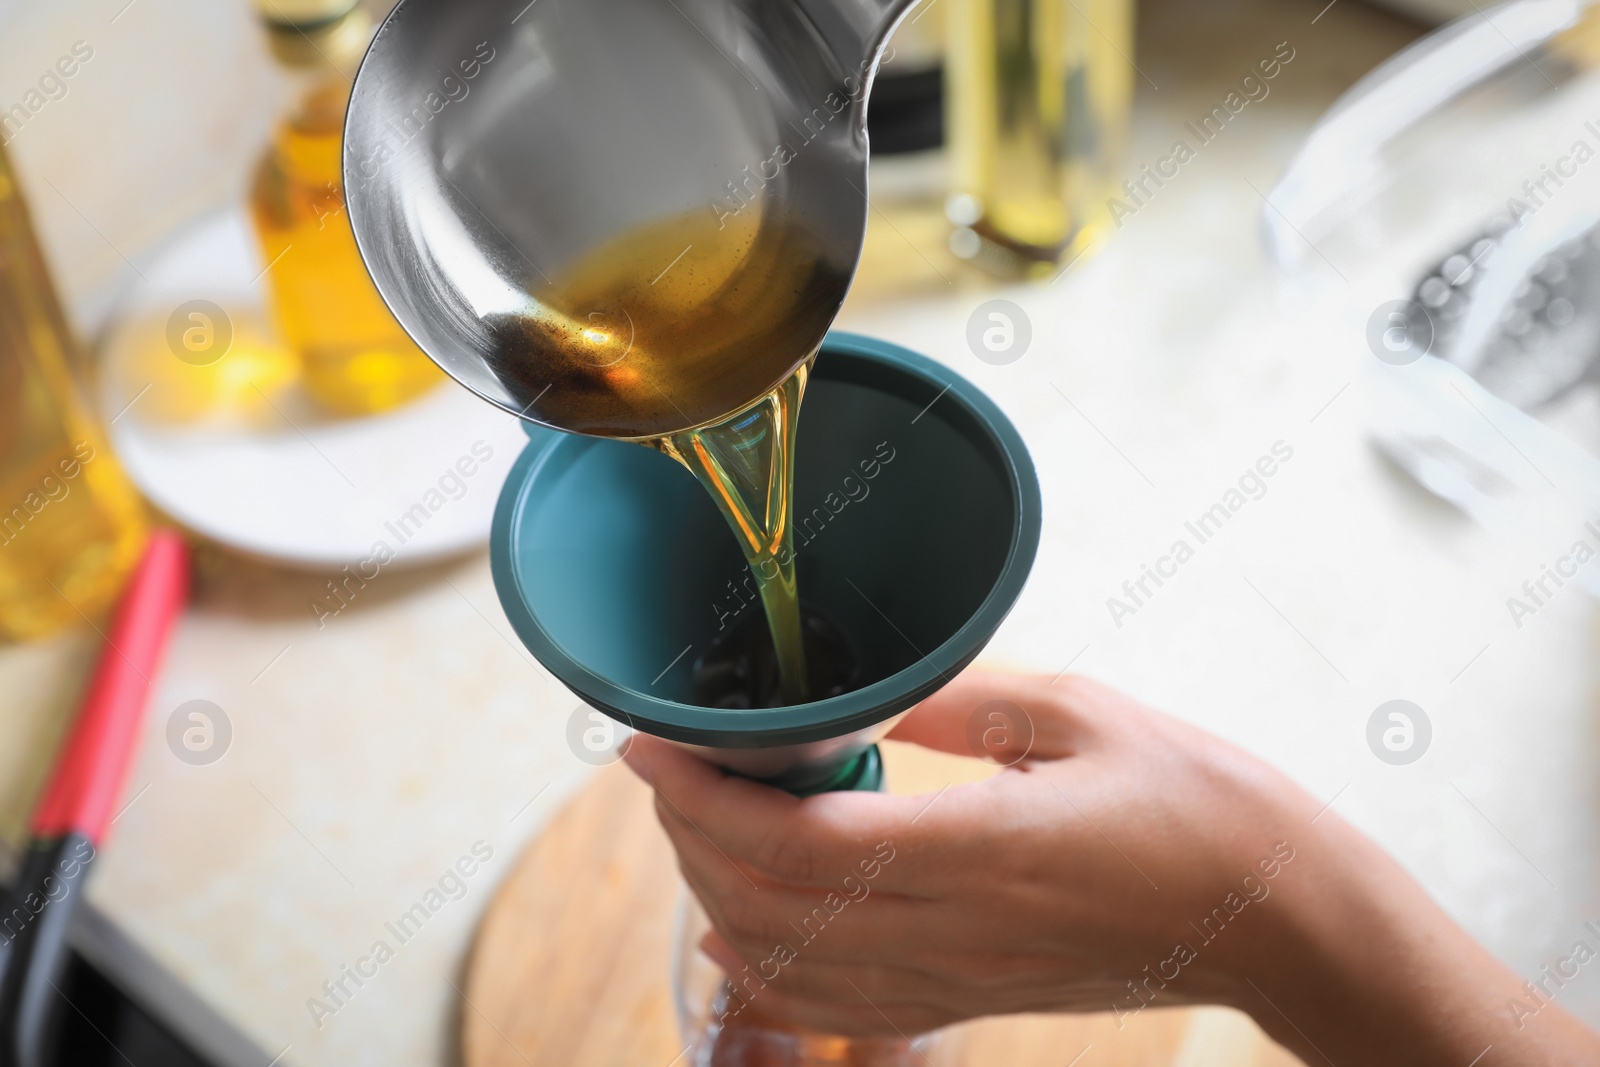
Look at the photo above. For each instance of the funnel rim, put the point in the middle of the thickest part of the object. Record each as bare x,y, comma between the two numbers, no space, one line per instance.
815,720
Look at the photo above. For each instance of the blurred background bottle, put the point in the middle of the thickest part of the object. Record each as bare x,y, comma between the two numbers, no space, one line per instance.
907,112
1037,115
71,525
356,358
905,249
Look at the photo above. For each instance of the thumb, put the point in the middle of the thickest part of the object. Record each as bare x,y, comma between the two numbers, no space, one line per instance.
999,717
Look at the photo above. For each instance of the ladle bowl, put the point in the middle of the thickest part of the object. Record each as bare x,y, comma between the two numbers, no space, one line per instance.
491,144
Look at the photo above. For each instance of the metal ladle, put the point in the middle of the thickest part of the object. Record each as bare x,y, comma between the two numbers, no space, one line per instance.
492,143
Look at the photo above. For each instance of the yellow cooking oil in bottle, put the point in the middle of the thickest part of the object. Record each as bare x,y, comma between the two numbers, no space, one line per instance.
356,359
1038,98
71,524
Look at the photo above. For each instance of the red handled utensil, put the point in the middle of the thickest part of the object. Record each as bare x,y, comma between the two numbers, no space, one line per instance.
76,808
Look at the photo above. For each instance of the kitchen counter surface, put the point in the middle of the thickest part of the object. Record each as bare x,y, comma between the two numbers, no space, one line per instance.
370,754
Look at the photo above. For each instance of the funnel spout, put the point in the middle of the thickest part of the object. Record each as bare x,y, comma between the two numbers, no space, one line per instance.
843,762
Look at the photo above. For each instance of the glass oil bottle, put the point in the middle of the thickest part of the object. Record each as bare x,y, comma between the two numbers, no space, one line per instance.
71,524
1038,97
356,359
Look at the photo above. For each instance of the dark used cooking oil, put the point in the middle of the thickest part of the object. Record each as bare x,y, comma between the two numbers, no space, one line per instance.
740,669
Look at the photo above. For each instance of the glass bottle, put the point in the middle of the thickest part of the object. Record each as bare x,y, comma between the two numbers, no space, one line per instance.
907,112
720,1015
905,253
721,1020
1038,99
71,524
356,359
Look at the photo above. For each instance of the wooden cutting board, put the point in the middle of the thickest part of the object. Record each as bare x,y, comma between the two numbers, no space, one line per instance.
570,964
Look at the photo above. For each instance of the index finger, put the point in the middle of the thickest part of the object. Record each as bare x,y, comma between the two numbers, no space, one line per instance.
815,841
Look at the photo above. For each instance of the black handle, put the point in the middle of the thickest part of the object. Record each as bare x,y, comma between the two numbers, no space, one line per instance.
33,948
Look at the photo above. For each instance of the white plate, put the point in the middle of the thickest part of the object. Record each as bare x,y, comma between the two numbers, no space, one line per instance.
274,477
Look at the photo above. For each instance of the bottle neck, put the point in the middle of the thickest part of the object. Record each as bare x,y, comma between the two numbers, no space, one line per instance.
321,60
310,140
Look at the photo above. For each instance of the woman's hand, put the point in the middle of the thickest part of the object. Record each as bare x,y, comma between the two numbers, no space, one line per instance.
1123,860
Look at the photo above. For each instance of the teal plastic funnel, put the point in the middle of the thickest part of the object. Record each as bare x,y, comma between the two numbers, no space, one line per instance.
916,522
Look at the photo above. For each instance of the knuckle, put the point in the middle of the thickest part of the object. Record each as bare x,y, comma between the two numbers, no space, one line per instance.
746,920
785,858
